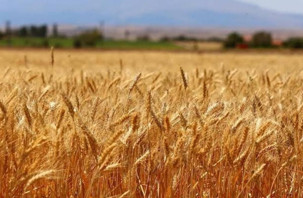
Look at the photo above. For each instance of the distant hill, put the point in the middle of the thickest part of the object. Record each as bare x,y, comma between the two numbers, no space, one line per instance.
202,13
180,13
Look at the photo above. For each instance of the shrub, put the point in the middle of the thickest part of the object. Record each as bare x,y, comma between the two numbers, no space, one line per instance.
165,39
185,38
143,38
77,43
89,38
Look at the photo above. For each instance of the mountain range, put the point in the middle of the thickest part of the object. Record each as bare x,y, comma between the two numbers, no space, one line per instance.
201,13
172,13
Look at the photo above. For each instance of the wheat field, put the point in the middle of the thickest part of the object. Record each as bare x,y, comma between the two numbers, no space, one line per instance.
150,124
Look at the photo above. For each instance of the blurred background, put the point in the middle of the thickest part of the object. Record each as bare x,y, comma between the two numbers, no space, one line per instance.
193,25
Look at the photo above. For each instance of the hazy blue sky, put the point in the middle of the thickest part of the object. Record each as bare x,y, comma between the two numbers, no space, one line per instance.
295,6
86,11
292,6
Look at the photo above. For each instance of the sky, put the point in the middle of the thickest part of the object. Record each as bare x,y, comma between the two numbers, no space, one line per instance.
81,11
289,6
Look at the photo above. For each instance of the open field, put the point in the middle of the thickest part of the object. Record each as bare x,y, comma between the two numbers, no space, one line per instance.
133,124
207,46
68,43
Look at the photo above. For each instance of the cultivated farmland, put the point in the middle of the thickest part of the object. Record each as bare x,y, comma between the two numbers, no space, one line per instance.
150,124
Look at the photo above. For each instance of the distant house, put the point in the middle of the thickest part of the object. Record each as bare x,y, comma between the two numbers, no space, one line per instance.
277,42
248,38
246,41
242,46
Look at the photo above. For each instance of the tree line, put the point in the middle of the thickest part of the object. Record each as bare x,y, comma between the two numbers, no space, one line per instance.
260,39
88,38
93,37
40,31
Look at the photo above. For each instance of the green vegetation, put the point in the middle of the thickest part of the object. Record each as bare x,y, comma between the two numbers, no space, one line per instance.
32,31
62,42
40,36
1,35
262,40
88,39
233,40
259,40
36,37
294,43
37,42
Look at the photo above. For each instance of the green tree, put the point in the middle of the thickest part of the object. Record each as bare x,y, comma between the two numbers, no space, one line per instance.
261,40
33,31
77,43
233,40
294,43
43,31
1,35
23,32
38,31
